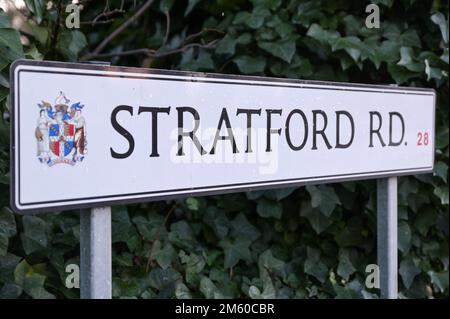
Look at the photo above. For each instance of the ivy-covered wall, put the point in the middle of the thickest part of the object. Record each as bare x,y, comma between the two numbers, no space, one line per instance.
306,242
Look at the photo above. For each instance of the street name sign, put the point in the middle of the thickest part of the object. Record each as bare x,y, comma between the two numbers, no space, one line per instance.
87,135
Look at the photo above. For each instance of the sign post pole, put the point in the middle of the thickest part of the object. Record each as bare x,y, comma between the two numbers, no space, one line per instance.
95,248
95,253
387,236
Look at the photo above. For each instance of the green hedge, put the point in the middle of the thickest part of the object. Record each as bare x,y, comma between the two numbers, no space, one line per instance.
307,242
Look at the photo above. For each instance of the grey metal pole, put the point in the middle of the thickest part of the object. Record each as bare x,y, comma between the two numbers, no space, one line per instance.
95,253
387,237
95,248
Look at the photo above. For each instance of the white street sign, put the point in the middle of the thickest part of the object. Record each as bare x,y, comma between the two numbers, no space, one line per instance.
89,135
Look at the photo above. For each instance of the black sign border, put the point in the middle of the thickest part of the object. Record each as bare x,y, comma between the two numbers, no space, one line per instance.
206,190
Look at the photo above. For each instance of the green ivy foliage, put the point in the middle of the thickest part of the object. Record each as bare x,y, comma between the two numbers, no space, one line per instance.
307,242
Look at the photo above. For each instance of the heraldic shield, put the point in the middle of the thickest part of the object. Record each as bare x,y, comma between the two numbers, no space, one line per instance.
62,139
61,132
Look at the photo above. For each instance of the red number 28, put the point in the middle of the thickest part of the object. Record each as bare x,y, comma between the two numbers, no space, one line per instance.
422,138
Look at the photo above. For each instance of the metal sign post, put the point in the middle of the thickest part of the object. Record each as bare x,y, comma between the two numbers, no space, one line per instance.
387,236
95,253
95,247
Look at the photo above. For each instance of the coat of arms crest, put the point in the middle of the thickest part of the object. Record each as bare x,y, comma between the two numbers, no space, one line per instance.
61,132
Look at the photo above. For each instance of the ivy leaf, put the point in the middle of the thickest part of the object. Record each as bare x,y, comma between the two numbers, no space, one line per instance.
34,54
351,234
388,52
444,56
442,193
10,291
284,49
229,42
212,255
125,259
391,30
345,267
268,288
318,221
70,44
250,65
314,266
41,34
182,291
227,45
254,20
432,72
162,279
243,229
37,7
192,203
31,281
407,60
439,19
243,16
442,138
244,38
425,219
408,271
400,74
283,28
410,38
346,62
3,63
181,234
10,45
268,262
347,292
404,236
441,170
35,235
324,198
218,221
125,288
163,255
7,222
209,289
5,20
202,62
306,13
268,208
440,279
234,251
351,45
151,227
315,31
194,265
254,292
121,224
8,263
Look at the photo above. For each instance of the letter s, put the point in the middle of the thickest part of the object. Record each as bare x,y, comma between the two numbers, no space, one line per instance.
122,131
